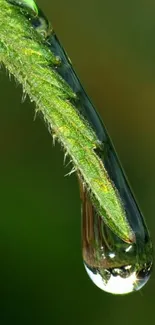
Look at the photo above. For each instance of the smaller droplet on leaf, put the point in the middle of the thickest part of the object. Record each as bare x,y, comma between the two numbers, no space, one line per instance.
25,3
41,24
35,15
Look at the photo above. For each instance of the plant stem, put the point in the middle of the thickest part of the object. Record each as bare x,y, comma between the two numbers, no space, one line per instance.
25,54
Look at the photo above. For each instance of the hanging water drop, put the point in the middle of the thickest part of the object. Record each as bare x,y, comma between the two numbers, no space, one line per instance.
113,265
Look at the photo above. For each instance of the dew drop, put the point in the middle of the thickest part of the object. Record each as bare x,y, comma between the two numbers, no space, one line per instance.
113,265
41,24
29,4
35,16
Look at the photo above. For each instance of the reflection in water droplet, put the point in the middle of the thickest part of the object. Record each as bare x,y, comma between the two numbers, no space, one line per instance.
113,265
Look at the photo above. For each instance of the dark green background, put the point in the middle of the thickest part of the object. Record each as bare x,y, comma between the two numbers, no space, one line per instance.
42,278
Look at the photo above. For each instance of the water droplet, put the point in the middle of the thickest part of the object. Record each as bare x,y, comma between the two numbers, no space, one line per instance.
112,264
35,15
41,23
29,4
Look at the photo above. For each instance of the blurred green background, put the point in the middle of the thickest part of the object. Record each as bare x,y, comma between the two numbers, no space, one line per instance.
43,281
